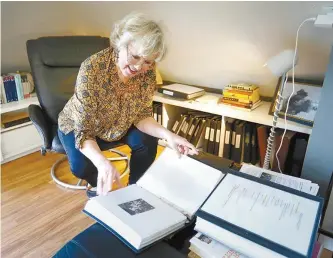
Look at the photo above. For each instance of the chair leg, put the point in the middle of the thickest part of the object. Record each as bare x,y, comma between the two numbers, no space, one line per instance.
78,185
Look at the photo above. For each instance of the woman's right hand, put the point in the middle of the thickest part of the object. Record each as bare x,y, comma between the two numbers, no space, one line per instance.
107,173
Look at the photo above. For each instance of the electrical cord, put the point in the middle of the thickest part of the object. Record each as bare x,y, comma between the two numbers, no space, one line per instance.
277,108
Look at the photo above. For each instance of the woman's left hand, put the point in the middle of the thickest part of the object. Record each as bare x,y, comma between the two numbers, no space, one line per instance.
180,144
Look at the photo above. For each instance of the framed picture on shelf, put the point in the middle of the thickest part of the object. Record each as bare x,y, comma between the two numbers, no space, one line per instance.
304,102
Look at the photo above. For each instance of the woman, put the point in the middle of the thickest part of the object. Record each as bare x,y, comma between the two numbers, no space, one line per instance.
113,102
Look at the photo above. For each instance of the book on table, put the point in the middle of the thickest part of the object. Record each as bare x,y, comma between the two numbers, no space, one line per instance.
163,200
259,218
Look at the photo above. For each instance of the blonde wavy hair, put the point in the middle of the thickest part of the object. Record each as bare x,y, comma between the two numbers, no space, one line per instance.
144,33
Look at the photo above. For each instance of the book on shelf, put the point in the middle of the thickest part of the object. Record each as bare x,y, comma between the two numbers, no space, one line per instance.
15,86
242,96
242,87
259,218
241,106
181,91
157,205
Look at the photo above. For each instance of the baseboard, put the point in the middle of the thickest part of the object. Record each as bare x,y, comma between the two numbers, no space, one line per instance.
20,154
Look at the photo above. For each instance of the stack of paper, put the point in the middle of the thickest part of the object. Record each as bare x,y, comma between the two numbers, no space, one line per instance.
296,183
206,247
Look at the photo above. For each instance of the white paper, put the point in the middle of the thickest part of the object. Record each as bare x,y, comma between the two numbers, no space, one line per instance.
135,214
235,241
275,215
207,99
182,88
213,249
282,179
184,182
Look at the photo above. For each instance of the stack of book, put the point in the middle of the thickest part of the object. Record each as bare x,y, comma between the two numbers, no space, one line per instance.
245,96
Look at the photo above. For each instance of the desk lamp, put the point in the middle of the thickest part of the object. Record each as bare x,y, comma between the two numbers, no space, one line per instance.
279,65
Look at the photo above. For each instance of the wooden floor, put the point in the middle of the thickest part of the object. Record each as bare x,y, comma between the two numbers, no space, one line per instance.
37,216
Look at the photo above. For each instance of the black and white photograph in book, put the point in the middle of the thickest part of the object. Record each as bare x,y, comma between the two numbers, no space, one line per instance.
205,239
303,103
136,206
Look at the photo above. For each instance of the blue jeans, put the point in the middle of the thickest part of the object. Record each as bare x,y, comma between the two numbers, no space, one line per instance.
143,153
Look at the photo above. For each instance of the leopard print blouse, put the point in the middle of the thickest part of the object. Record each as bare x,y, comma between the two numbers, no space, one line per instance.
102,105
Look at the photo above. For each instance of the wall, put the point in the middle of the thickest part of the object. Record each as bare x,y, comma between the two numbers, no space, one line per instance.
210,43
318,162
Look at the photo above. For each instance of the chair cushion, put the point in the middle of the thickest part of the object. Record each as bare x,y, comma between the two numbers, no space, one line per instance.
69,51
96,241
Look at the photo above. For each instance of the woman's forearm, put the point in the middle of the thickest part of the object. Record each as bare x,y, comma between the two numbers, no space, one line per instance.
151,127
92,151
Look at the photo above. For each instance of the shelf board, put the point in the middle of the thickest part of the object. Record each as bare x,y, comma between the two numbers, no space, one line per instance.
17,105
260,115
15,127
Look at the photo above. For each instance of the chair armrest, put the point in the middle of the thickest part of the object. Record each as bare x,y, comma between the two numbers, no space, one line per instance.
37,117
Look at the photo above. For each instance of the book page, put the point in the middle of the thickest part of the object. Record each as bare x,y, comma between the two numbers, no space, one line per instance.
282,179
184,182
273,214
138,210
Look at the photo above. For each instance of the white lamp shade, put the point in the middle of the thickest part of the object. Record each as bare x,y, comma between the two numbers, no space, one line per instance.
282,62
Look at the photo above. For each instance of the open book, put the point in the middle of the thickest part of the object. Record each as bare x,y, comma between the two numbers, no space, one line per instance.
259,218
160,203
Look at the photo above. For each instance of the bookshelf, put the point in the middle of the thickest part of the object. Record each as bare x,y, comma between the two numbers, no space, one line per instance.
21,139
173,107
18,105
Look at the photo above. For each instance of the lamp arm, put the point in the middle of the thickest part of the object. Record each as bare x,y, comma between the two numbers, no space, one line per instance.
278,107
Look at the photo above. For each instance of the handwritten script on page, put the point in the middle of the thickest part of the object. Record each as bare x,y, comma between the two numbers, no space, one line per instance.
279,216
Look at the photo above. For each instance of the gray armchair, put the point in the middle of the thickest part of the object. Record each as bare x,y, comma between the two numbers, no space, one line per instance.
55,62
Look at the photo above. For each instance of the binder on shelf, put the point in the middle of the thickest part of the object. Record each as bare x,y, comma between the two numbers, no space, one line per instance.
237,143
286,149
207,132
181,123
211,139
262,133
217,136
159,114
254,145
228,137
192,129
199,134
247,143
181,91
